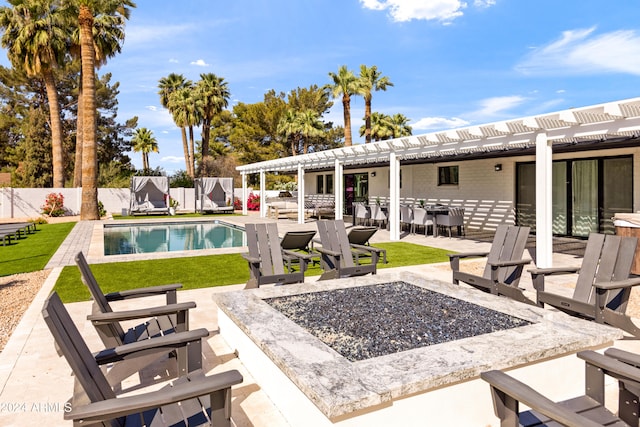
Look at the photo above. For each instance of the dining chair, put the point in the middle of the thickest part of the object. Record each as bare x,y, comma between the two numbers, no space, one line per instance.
421,218
406,216
360,212
455,218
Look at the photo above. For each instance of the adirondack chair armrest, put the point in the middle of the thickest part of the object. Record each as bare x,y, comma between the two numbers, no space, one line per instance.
143,292
517,391
366,248
618,284
122,406
468,255
328,252
623,356
170,341
553,271
118,316
612,366
299,255
251,259
511,263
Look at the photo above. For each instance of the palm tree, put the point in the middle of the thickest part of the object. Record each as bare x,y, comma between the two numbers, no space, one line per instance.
168,85
186,108
399,125
345,83
370,79
288,127
86,10
108,35
214,92
380,127
309,126
144,141
36,39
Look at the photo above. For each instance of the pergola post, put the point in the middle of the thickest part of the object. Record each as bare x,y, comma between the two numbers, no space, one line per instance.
301,209
544,199
245,196
263,195
338,188
394,196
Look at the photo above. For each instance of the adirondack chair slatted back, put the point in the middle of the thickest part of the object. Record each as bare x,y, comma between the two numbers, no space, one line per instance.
333,236
74,349
606,258
508,245
100,303
262,240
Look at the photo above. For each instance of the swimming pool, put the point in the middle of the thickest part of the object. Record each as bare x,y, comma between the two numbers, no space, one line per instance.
120,239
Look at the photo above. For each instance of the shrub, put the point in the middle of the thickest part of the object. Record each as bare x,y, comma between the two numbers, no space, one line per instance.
237,204
253,202
101,210
54,205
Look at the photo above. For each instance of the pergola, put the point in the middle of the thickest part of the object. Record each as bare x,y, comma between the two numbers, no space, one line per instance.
602,126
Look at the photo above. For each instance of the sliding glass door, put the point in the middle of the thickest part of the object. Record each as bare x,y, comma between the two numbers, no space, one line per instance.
586,194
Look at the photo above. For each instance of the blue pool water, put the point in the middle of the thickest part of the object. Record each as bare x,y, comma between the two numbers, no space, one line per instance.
170,236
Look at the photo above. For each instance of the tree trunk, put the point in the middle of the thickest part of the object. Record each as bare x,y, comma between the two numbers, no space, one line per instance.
192,154
77,169
206,134
346,107
367,120
56,130
185,147
89,207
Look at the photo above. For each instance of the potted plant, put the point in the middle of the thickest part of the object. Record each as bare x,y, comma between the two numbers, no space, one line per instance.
421,203
173,205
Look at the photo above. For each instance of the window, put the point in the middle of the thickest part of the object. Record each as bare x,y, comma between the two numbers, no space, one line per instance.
448,175
329,184
320,184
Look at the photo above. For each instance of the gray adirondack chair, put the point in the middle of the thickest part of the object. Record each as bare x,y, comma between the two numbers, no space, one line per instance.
265,257
584,411
158,321
337,259
504,264
603,286
202,400
361,236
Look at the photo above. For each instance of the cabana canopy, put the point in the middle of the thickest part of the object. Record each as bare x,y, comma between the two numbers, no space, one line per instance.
149,194
213,194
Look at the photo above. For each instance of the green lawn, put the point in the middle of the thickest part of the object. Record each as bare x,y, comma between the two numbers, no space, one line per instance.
33,252
207,271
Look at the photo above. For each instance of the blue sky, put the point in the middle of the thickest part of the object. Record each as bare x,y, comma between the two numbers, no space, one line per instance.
453,63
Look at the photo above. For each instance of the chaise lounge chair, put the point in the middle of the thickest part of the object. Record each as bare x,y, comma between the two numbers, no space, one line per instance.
193,399
266,257
583,411
361,236
603,286
300,243
159,321
504,264
337,259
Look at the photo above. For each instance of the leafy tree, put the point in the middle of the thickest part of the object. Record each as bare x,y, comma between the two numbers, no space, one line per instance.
400,125
145,142
370,80
345,83
387,127
36,35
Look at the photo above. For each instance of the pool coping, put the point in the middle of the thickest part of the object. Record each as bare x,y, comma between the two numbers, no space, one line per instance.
339,388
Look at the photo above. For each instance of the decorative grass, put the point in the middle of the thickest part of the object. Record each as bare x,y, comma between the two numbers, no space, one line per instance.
33,252
208,271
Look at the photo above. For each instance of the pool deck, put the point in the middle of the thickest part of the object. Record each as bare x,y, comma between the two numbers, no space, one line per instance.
35,382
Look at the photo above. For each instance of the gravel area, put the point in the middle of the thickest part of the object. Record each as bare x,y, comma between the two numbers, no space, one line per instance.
16,293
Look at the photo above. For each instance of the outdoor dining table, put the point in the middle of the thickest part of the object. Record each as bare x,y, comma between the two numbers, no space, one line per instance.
434,211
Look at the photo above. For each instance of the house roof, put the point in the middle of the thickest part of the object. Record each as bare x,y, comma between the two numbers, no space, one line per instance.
594,127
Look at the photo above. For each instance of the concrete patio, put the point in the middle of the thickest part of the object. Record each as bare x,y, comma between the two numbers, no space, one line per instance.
35,383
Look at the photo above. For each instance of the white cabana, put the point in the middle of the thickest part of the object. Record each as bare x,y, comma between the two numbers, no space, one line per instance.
149,194
213,194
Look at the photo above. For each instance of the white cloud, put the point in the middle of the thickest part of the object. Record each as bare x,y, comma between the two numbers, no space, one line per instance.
583,51
435,123
431,10
174,61
199,63
151,108
172,159
492,107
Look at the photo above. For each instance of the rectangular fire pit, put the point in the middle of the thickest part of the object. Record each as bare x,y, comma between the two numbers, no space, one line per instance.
396,348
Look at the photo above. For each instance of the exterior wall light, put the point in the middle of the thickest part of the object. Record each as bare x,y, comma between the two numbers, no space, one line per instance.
373,174
498,167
